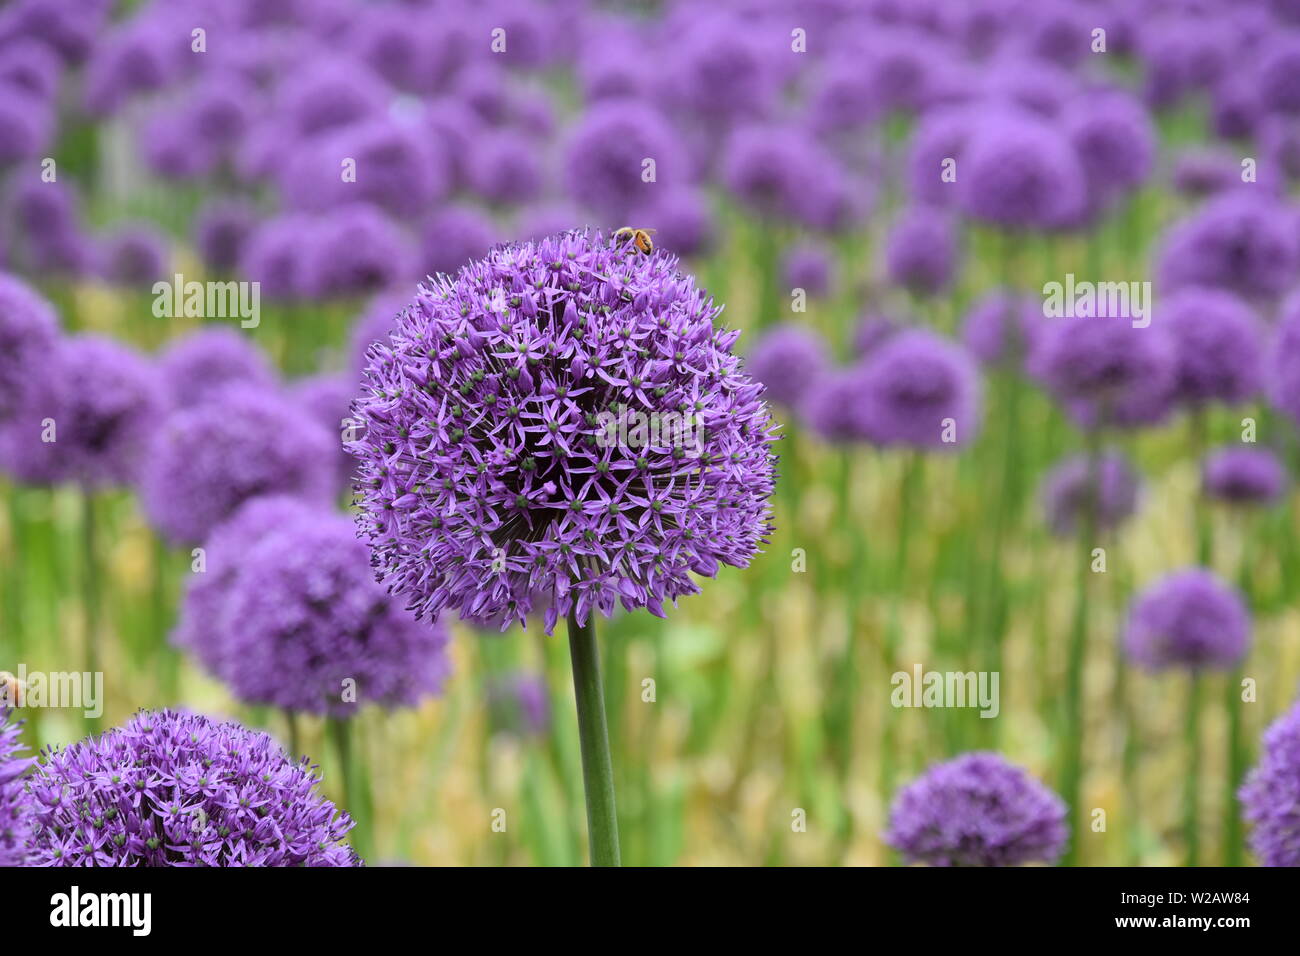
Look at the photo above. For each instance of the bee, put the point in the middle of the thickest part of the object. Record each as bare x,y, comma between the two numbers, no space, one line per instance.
640,238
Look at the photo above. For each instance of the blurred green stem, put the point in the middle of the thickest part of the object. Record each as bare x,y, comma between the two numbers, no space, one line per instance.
358,805
593,738
1191,787
90,580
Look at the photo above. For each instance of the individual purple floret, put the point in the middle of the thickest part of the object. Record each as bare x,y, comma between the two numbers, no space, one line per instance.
1270,797
197,365
1240,241
493,464
977,810
1243,476
788,359
921,252
199,625
14,812
1109,489
308,629
242,441
919,390
1188,619
172,789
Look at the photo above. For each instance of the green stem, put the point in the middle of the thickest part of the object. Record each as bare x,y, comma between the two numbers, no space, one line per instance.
90,581
340,732
1191,791
593,739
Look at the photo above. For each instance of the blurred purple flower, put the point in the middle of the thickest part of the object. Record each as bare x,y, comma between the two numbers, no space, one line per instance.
788,360
1243,476
1189,619
1072,488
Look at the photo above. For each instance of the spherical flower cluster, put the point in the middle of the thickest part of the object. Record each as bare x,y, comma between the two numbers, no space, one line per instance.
197,365
1244,476
1073,487
809,266
782,173
1218,346
304,621
1002,328
921,251
1116,143
134,255
1239,241
354,249
873,330
977,810
453,236
919,390
171,789
14,816
605,152
220,232
199,627
1018,173
501,455
788,359
1188,619
1270,798
28,334
244,441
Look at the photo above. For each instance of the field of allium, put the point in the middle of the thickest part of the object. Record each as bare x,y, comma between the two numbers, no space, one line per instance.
980,547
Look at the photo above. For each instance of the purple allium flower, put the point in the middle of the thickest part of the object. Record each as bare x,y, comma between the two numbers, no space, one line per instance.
788,359
198,365
1190,619
274,252
873,330
327,398
399,168
172,789
783,173
1270,797
506,168
104,401
1235,109
1115,141
829,405
405,47
1107,367
843,98
977,810
305,615
199,626
487,472
604,156
29,333
1202,172
1028,83
172,148
135,254
1218,345
720,71
921,252
609,67
1278,75
328,93
1002,328
809,266
353,250
1279,140
920,390
68,27
1071,488
1243,476
134,58
1284,360
1020,173
941,135
458,128
242,441
221,232
1238,241
14,813
30,66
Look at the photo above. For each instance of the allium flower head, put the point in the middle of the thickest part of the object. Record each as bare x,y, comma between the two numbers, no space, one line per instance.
305,615
1019,173
221,231
829,405
453,236
1218,345
921,390
354,250
14,815
198,365
373,325
1270,798
1238,241
1283,369
783,173
327,398
1072,487
243,441
921,251
1244,476
602,162
1115,141
488,465
788,359
874,330
28,333
1188,619
721,72
200,628
26,124
977,810
134,255
809,266
171,789
1279,75
1001,328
